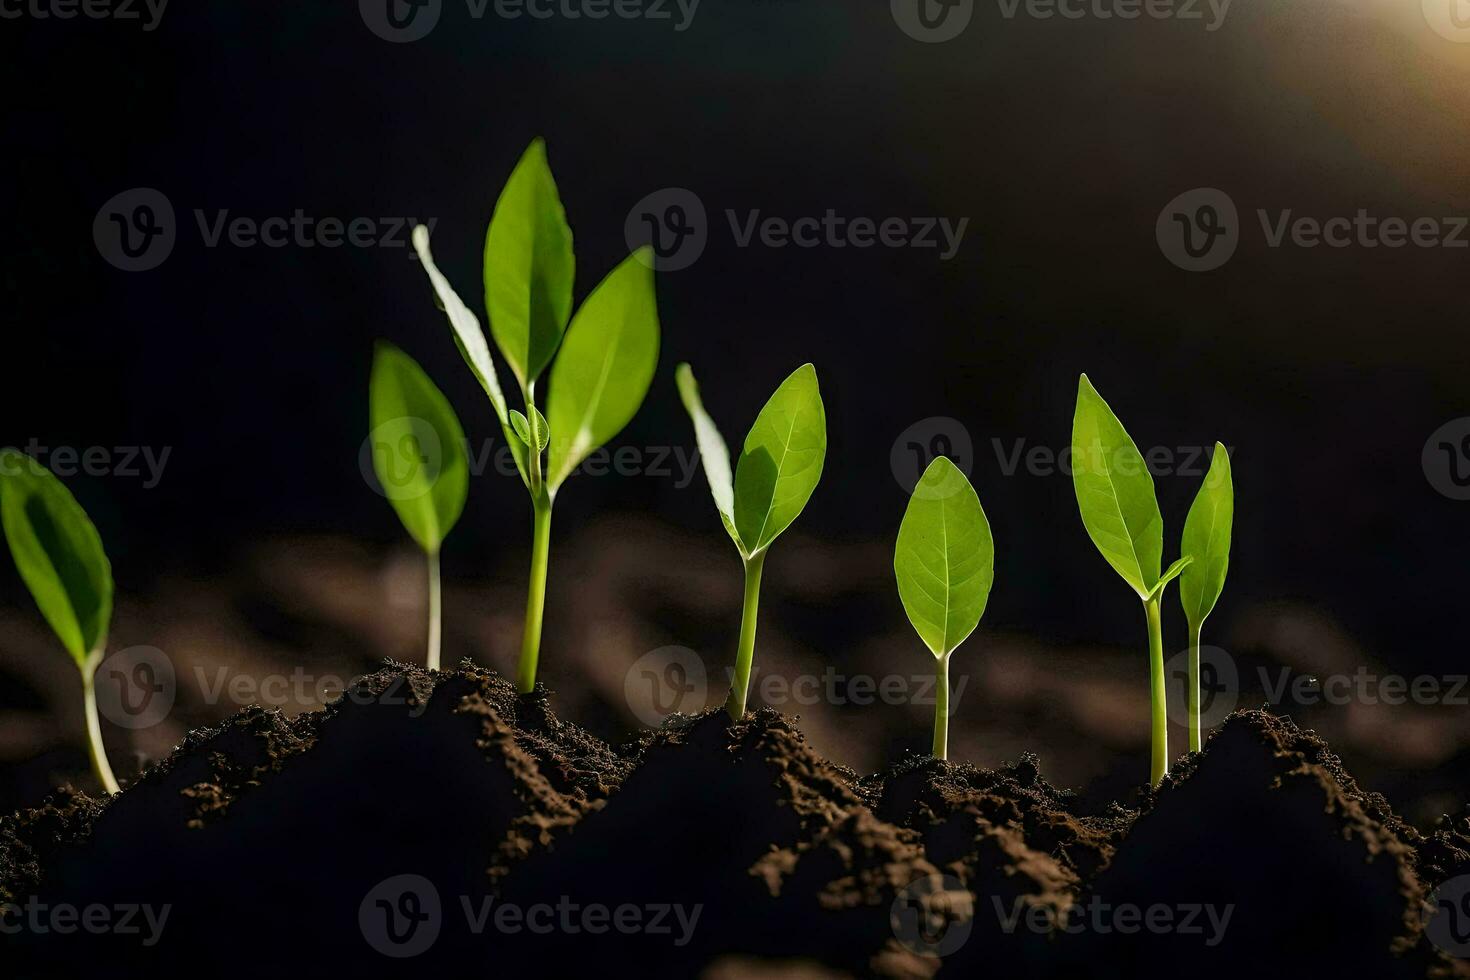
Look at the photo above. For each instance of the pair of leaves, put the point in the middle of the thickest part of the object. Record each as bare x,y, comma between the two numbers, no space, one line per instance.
1207,532
945,558
780,462
417,446
1115,495
601,364
59,555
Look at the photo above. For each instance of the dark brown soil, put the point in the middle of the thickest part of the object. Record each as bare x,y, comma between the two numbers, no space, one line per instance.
705,848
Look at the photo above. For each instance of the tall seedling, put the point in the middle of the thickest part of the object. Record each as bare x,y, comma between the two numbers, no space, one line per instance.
1207,537
778,469
419,456
59,555
601,364
1115,494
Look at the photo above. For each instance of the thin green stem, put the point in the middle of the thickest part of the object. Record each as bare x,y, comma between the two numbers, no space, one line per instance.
1157,694
436,612
535,595
1196,736
95,749
941,709
740,685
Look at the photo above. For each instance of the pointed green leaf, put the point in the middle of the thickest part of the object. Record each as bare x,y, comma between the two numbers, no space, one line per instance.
418,447
1175,570
1207,533
945,558
529,268
470,340
605,366
782,460
713,452
542,429
522,427
1115,492
59,555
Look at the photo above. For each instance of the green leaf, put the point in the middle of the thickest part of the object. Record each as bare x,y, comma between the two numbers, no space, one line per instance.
945,558
782,460
418,447
59,555
542,429
1175,570
713,452
1207,537
605,366
470,340
1115,492
522,427
529,268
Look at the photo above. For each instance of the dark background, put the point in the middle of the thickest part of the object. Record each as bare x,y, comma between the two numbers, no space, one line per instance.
1324,369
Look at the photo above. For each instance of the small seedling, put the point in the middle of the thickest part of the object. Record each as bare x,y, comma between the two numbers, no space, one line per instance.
1115,494
945,565
604,361
1207,538
59,555
419,456
778,469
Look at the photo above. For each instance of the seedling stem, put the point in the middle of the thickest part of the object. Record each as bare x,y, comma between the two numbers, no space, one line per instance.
436,614
100,765
536,594
1196,739
740,686
1160,758
941,709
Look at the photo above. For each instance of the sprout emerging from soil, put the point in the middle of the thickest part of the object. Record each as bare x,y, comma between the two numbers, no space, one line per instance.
778,469
604,360
1206,537
945,565
419,456
59,555
1115,494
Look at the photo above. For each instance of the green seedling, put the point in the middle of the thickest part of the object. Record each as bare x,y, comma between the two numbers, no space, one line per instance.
419,456
778,469
604,360
1206,537
1115,494
59,555
945,565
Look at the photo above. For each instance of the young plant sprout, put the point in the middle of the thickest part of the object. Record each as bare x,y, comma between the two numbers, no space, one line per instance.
59,556
945,565
604,361
419,456
1115,494
1206,537
778,469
